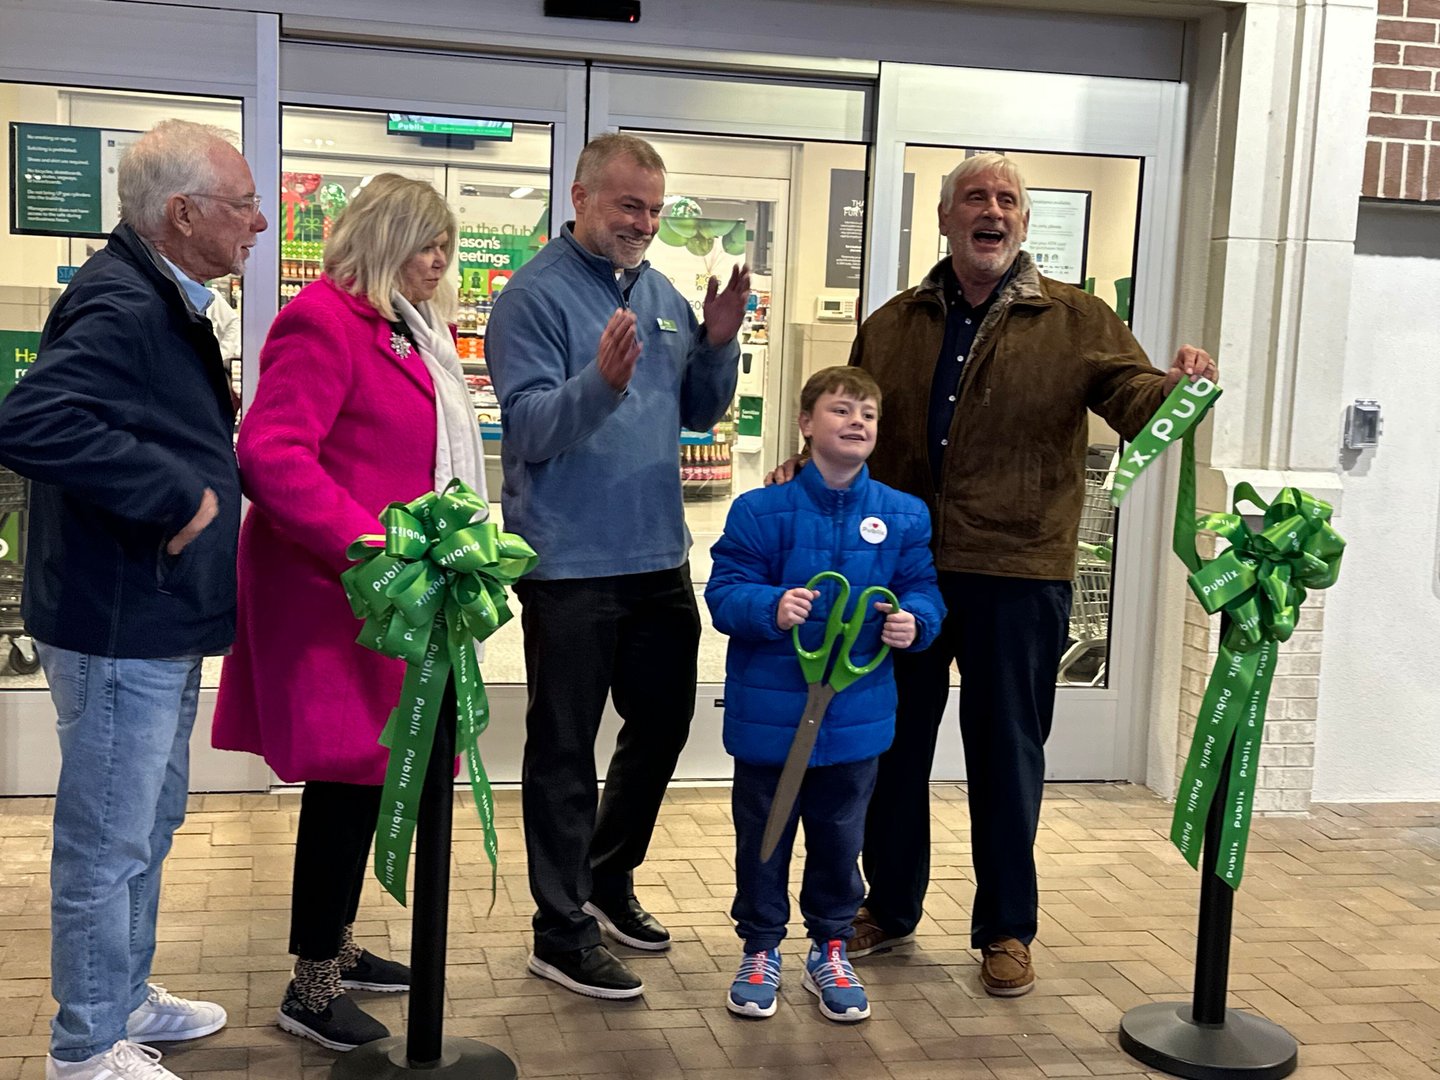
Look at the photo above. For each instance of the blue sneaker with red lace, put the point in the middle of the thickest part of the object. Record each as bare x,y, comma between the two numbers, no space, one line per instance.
755,986
829,976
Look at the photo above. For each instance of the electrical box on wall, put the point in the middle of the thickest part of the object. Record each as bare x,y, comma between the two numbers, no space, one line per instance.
834,308
1362,425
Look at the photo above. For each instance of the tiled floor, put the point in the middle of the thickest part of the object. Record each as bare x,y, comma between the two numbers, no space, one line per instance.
1337,937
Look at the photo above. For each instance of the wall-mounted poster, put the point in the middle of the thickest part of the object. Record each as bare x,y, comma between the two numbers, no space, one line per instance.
845,245
1059,233
62,179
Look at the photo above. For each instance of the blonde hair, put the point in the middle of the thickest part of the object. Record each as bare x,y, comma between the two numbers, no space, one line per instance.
386,224
983,163
175,157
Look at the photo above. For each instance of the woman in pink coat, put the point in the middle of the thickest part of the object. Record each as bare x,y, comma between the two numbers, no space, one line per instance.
361,402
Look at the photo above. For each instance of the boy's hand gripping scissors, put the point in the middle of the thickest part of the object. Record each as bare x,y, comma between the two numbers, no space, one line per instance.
813,664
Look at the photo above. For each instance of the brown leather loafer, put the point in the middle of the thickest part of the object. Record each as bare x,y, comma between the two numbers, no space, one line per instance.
1005,969
870,937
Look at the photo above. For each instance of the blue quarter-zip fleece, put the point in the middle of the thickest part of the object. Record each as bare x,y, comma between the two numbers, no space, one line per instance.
778,538
592,477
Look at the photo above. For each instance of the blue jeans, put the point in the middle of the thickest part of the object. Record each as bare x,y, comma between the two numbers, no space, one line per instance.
832,805
124,728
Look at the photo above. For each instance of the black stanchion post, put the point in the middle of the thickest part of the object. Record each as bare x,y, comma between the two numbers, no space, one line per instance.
1204,1040
425,1051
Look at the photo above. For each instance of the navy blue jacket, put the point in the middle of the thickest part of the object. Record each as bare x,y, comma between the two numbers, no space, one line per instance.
778,538
122,423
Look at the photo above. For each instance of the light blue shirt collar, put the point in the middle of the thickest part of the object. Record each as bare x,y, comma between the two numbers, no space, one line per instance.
200,297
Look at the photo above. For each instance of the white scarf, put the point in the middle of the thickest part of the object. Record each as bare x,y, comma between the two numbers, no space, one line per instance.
459,451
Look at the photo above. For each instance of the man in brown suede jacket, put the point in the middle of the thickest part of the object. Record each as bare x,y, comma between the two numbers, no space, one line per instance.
988,370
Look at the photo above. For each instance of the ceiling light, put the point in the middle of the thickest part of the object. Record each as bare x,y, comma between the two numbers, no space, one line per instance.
521,192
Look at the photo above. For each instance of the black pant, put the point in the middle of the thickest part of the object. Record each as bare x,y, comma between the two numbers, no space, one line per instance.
332,845
634,637
1008,635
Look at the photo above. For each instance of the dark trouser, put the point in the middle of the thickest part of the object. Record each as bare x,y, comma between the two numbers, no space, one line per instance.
1007,635
832,804
634,637
332,845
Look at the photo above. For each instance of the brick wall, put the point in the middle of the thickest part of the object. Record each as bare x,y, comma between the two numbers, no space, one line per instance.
1402,156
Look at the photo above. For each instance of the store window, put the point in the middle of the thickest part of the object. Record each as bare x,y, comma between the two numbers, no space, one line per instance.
794,210
1083,230
495,175
56,217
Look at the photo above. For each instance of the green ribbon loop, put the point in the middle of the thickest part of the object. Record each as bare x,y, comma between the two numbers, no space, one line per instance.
429,588
1259,582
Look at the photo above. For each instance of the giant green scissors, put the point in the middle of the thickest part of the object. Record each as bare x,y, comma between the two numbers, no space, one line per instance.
813,664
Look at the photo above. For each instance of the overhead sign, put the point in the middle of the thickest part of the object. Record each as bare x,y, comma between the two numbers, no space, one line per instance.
413,124
62,179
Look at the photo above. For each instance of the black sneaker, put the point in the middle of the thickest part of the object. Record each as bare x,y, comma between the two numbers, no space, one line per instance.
374,973
630,924
593,971
341,1025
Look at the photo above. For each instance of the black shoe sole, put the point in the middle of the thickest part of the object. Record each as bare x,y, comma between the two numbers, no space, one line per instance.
615,932
292,1026
555,975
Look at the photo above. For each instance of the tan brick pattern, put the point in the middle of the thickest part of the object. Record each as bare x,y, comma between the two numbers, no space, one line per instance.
1337,937
1402,156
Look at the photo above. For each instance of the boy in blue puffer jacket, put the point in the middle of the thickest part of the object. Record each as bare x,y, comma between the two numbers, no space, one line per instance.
832,516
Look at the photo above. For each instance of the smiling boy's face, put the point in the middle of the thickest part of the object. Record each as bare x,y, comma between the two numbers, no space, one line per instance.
841,428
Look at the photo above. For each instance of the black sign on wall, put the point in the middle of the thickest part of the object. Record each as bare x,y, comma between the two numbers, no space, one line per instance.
845,243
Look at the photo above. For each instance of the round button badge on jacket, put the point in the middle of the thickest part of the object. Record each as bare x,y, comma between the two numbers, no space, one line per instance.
873,530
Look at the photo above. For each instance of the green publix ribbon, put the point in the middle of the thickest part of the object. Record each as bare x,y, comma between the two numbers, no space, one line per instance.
428,589
1259,582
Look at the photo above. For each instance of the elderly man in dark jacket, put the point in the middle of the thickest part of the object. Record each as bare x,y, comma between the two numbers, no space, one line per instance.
988,371
124,427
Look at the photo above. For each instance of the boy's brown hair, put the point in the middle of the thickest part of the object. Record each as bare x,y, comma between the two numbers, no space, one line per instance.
851,381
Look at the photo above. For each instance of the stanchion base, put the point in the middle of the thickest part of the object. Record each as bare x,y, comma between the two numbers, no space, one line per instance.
1163,1036
460,1059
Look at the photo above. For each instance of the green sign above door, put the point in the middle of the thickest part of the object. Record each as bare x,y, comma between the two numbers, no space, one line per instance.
62,179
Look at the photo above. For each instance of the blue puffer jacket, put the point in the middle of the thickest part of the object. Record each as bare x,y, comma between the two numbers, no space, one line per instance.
778,538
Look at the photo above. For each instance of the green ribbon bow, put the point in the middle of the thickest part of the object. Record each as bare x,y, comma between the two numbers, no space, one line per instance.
1259,582
427,589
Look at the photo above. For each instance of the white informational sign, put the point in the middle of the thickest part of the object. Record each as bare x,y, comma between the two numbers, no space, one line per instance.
1059,233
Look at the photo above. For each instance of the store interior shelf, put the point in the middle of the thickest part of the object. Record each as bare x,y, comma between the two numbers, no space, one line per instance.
490,432
697,438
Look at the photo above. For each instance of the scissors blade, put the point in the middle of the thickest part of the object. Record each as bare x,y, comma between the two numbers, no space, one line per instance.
792,775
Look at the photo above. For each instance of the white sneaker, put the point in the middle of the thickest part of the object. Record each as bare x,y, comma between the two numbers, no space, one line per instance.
163,1017
124,1061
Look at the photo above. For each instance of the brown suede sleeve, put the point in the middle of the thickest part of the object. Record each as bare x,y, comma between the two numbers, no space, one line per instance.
1125,388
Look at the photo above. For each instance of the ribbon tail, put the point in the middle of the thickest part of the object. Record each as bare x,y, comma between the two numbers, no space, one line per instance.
412,736
472,708
1220,709
1244,765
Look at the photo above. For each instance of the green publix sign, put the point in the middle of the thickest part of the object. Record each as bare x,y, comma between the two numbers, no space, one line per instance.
17,352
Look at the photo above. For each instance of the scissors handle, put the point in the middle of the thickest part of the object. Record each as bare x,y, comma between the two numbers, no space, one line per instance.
848,630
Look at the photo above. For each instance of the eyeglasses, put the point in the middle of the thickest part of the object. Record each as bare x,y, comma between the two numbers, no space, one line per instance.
250,203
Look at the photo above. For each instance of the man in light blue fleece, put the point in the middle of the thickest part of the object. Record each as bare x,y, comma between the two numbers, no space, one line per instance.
598,362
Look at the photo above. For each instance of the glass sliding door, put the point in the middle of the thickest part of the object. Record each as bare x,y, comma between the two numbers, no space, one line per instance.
1101,159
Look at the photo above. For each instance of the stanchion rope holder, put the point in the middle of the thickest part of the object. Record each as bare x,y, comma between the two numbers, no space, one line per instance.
424,1050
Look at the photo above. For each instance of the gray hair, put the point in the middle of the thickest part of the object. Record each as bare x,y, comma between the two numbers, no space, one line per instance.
172,158
983,163
603,149
389,222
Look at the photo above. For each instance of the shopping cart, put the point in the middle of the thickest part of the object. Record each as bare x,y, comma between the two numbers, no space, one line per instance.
1083,663
14,502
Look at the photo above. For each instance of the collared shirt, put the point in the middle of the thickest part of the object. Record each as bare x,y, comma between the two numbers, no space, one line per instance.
962,322
199,296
